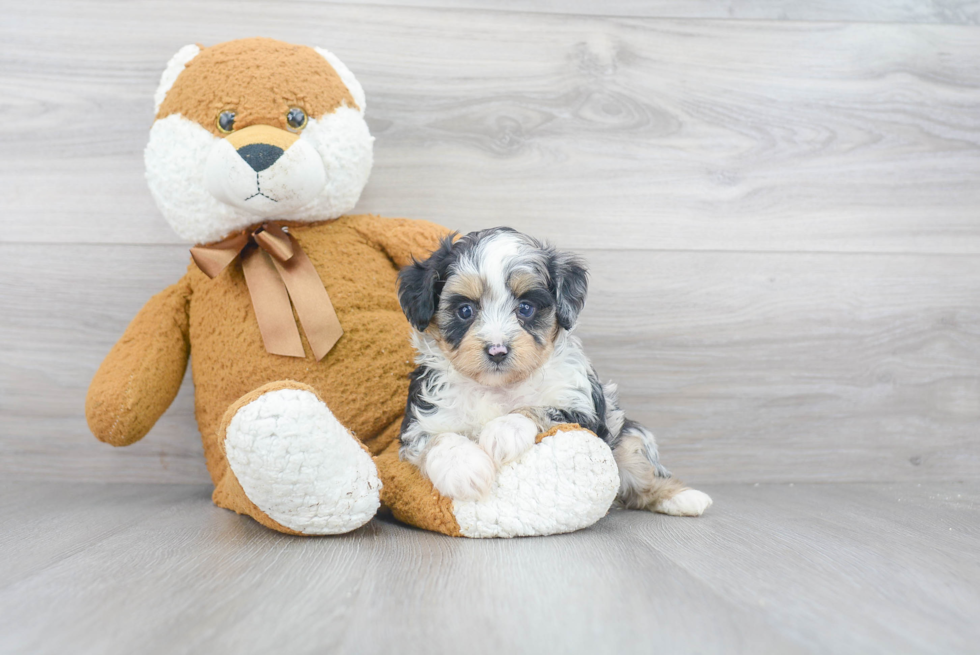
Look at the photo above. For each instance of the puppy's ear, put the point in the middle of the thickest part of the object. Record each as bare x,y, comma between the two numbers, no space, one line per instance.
420,283
569,284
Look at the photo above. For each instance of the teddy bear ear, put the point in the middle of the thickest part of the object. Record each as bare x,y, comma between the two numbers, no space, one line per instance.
174,68
346,76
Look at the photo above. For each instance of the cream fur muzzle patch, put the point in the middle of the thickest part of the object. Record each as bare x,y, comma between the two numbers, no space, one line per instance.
202,186
292,181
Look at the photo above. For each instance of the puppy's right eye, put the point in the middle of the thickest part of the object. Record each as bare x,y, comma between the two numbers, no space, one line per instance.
226,121
465,312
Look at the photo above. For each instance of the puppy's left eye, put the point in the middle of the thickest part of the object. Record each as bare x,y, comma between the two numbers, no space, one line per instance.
526,310
296,118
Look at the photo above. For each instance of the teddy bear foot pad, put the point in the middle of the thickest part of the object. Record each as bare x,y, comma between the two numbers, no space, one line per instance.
565,483
300,466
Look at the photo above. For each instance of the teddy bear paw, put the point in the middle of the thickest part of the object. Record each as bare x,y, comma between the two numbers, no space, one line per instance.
565,483
300,466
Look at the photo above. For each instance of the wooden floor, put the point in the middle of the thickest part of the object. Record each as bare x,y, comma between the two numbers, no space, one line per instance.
780,204
813,568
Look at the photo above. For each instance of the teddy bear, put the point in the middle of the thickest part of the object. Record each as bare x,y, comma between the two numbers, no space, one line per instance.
289,314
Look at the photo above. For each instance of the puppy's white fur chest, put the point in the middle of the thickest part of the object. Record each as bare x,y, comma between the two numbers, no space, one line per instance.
464,406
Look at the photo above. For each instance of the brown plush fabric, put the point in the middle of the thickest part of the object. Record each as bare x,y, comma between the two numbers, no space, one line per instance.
363,380
555,429
228,492
283,76
142,373
411,497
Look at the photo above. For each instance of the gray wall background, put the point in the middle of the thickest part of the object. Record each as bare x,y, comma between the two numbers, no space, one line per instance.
780,203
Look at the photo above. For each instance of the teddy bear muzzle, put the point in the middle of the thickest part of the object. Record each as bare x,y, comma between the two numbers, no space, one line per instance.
265,171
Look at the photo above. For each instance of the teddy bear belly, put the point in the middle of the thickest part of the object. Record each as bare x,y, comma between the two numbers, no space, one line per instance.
363,379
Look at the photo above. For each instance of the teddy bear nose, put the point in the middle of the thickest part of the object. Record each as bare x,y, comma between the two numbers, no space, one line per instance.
260,156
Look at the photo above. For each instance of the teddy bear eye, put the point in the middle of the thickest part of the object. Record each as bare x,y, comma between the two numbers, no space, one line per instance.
226,121
296,118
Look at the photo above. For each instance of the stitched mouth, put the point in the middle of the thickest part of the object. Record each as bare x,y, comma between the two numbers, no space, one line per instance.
258,192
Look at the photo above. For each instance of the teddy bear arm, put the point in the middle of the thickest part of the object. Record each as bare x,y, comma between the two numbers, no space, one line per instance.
141,375
400,238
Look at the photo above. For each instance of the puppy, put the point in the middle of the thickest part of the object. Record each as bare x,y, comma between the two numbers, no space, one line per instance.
492,313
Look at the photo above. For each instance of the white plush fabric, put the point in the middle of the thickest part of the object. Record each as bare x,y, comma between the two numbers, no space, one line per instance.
177,171
346,149
346,76
300,465
176,160
565,483
174,68
319,178
293,181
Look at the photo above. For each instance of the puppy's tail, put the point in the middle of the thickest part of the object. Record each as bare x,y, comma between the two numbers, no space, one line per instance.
644,483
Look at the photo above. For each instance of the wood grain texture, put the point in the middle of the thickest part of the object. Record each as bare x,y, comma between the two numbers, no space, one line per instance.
64,308
864,568
616,133
47,523
781,214
955,12
748,366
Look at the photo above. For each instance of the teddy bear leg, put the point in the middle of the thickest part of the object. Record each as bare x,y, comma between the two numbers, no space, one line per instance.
292,466
566,482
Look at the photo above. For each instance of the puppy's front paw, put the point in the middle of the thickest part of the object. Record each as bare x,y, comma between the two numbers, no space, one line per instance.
458,468
508,437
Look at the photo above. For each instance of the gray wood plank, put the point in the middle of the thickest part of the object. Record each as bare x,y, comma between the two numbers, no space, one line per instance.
956,12
44,523
772,568
841,567
749,367
619,133
63,310
196,578
753,367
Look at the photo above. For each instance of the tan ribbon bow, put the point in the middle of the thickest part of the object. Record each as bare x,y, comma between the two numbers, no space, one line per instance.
277,270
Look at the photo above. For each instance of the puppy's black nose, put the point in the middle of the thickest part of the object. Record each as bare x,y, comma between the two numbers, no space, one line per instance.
260,156
497,353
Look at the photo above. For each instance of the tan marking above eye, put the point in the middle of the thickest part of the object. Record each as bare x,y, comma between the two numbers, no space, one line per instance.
470,286
520,282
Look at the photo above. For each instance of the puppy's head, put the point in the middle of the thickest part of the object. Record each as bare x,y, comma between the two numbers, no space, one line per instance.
494,301
252,130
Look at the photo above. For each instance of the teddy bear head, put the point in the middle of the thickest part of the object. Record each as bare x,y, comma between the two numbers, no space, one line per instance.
254,130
